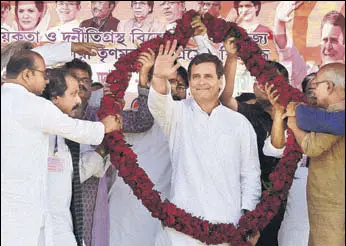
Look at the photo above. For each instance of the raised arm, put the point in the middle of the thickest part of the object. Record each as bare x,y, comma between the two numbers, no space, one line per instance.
230,70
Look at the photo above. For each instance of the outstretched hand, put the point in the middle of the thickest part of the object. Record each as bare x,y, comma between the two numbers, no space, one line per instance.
164,63
273,97
86,48
285,8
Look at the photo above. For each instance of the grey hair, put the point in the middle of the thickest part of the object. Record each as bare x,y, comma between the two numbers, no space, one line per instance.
12,48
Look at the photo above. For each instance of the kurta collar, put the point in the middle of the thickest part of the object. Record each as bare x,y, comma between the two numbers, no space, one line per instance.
198,108
14,85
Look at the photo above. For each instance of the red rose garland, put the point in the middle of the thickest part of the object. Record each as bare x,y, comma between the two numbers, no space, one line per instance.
125,160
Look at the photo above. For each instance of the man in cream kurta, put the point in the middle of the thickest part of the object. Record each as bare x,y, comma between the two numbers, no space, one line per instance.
26,121
213,150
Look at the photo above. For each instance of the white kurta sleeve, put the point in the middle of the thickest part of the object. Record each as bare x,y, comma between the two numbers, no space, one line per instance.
46,117
163,109
250,173
270,150
204,45
55,53
92,164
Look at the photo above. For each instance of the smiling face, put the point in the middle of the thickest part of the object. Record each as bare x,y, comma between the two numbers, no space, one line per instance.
140,9
28,15
67,11
172,10
211,7
101,9
332,44
204,83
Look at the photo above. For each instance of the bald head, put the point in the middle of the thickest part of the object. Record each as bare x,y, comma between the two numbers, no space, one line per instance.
334,72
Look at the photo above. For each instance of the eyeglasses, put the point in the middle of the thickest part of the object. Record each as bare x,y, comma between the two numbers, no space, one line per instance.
208,5
65,3
85,80
45,73
314,85
169,3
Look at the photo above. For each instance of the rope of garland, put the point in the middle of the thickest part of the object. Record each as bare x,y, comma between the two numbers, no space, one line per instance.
125,160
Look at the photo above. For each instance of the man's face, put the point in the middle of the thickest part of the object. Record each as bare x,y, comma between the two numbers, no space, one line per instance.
84,83
5,8
101,9
67,11
140,9
38,80
332,44
248,10
172,10
178,89
70,101
204,83
212,7
319,86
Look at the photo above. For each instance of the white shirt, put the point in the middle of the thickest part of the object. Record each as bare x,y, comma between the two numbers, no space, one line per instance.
294,229
60,173
26,121
128,216
215,165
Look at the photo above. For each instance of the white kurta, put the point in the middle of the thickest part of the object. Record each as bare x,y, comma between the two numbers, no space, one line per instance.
60,173
128,216
294,229
26,121
215,165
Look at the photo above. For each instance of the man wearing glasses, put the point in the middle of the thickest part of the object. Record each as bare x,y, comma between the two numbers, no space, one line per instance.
326,179
211,7
143,19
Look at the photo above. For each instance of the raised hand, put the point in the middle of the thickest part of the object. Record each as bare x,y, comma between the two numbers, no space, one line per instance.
284,9
231,46
147,59
273,97
164,63
86,48
197,24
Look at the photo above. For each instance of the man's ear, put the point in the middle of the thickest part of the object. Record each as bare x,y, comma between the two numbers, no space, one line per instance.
55,100
330,87
26,75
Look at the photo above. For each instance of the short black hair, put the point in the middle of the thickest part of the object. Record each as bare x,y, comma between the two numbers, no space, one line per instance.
79,64
306,81
21,61
244,97
279,68
183,73
206,57
57,82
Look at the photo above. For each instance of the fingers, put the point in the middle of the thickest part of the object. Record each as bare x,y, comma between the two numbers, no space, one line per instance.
297,4
174,46
152,53
175,67
161,50
168,45
177,53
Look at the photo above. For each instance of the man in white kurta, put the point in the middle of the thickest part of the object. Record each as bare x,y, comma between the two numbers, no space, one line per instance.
213,150
26,121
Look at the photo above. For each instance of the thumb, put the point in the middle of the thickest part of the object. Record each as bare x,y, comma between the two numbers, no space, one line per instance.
285,115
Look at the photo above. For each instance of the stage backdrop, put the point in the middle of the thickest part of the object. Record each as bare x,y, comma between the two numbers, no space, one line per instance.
49,26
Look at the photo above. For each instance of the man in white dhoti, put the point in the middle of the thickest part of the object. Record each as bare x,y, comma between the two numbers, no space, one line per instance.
26,121
213,150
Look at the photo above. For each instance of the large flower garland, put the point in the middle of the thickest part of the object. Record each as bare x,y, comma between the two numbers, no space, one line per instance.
125,160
